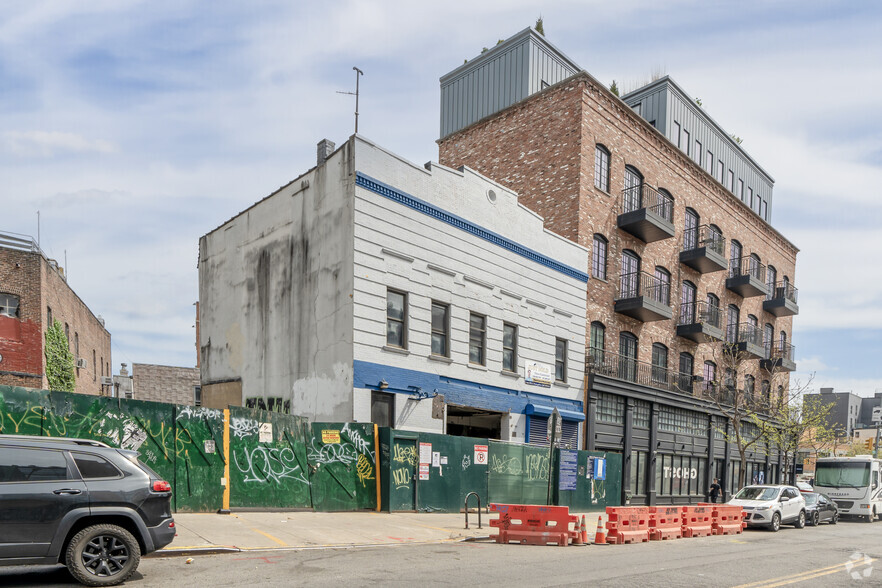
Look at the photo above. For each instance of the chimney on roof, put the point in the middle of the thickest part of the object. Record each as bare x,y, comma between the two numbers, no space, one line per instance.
826,390
323,151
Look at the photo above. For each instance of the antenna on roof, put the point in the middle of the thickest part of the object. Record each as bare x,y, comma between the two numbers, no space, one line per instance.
358,74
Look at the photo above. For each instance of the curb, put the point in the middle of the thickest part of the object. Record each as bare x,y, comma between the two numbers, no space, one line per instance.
207,550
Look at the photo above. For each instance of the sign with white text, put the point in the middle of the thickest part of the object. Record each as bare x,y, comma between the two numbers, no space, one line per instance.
538,374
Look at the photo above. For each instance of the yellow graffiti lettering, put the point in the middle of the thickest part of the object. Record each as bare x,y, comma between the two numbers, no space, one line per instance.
364,469
405,454
402,477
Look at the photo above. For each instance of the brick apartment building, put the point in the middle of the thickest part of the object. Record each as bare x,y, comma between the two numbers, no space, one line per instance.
677,217
33,293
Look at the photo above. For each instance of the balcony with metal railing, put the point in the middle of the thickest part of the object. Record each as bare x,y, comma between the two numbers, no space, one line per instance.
746,339
704,249
647,213
621,367
644,297
699,322
747,277
781,301
781,358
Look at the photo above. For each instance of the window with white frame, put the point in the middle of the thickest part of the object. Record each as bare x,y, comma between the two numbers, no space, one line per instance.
440,329
396,319
477,339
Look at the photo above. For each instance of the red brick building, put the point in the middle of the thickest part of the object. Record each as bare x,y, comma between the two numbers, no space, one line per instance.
33,293
679,261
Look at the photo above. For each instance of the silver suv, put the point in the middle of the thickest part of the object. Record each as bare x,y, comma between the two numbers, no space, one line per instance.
771,506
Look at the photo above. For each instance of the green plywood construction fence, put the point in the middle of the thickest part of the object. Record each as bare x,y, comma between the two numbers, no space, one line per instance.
342,466
199,459
268,465
591,494
452,472
518,473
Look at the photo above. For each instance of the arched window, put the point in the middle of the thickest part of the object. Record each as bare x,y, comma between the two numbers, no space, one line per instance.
627,356
662,289
601,167
782,341
598,257
632,194
734,315
710,375
659,363
598,342
754,322
687,303
690,230
749,385
630,274
664,207
756,267
771,279
768,338
687,365
785,287
767,393
735,259
712,312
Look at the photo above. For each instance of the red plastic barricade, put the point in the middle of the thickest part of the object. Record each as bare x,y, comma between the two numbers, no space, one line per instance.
697,521
627,524
665,523
534,525
727,519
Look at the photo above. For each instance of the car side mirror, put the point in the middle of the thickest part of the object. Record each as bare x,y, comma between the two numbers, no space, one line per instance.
783,499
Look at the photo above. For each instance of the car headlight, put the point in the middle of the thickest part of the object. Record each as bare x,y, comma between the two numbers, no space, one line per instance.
763,508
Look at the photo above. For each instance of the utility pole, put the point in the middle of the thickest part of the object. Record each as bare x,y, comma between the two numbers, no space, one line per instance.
358,74
877,417
553,436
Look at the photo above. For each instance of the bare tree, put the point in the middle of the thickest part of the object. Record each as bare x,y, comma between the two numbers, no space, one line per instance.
752,418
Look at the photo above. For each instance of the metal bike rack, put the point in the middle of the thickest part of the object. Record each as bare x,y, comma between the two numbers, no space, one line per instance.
475,494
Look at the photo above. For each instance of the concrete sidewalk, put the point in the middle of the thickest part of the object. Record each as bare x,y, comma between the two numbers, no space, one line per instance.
247,531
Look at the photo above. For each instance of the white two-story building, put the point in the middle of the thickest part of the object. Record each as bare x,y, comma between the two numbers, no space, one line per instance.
419,297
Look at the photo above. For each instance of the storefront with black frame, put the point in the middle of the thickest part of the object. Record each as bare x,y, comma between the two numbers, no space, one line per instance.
672,443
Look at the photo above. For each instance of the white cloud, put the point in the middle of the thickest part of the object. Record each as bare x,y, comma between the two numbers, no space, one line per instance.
152,125
46,144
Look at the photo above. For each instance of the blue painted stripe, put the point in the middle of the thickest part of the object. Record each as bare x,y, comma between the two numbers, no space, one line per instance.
460,392
378,187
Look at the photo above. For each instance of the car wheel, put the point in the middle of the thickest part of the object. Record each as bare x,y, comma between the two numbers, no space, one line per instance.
800,520
103,555
776,522
816,519
869,518
835,519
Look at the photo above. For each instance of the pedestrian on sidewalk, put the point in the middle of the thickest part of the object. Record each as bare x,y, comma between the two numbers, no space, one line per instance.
715,490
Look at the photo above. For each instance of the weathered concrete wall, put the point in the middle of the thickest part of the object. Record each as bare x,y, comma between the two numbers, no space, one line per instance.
275,291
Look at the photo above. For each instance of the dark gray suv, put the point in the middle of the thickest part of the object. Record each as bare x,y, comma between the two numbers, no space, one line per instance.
81,503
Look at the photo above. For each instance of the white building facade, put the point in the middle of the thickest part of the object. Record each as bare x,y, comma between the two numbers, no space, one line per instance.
373,289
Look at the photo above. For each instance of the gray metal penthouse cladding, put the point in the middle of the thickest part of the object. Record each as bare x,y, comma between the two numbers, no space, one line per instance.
685,124
526,63
504,75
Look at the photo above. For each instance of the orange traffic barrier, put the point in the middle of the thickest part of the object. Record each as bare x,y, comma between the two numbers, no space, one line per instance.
665,522
627,524
727,519
534,524
600,535
697,521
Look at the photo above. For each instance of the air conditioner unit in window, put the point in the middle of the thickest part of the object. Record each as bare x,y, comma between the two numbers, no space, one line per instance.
106,381
81,363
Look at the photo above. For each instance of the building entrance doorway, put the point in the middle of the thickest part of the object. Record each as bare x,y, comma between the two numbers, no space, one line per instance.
464,421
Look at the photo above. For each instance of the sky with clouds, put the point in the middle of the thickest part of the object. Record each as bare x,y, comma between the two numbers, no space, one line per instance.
135,127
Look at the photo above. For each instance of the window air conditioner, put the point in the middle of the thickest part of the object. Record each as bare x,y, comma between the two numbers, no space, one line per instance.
81,363
106,381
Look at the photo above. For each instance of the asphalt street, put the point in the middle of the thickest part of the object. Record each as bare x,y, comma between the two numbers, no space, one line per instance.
847,554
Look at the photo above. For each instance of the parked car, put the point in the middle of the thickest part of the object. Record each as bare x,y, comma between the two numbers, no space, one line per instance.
80,503
771,506
804,486
819,508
